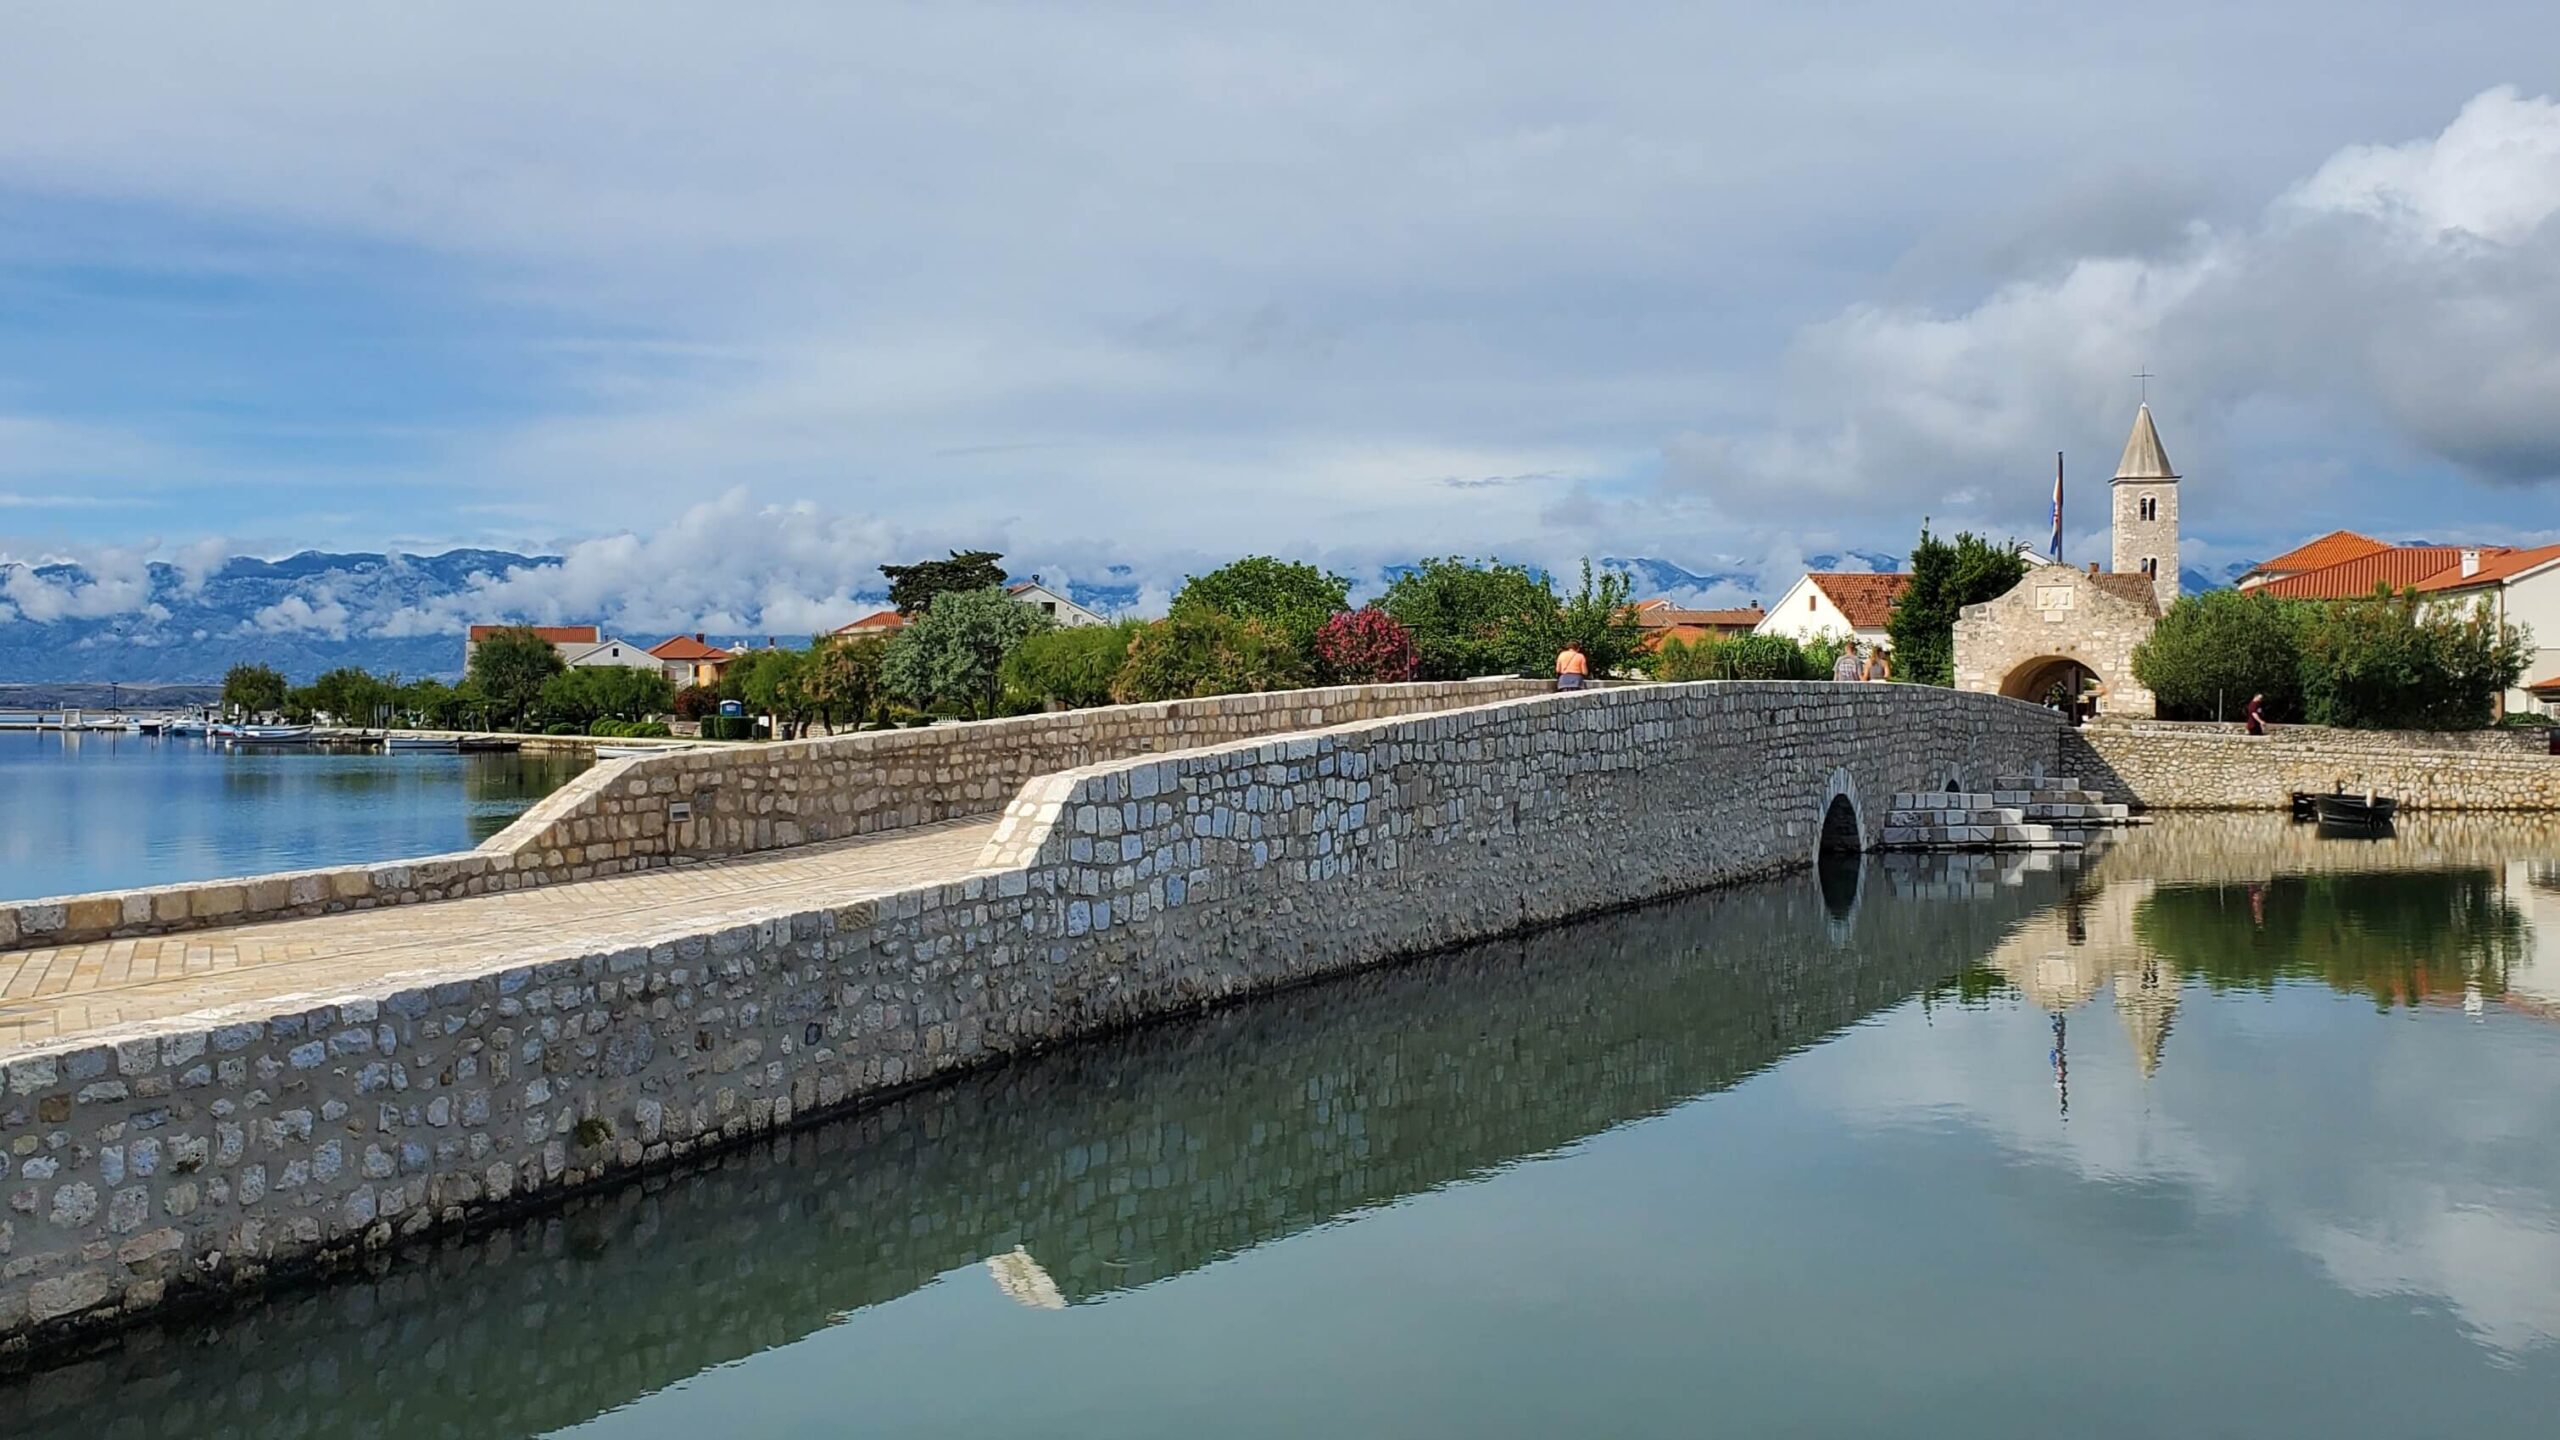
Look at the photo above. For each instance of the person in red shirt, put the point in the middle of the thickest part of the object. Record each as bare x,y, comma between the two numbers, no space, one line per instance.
2256,715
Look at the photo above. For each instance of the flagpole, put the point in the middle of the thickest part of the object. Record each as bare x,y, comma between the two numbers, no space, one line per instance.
2057,507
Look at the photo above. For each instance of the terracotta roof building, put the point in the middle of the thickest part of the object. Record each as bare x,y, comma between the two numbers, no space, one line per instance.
691,660
569,640
1836,603
878,622
1662,620
2336,547
2402,567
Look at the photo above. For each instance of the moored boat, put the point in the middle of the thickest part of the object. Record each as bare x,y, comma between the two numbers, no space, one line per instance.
627,752
2366,811
421,742
270,734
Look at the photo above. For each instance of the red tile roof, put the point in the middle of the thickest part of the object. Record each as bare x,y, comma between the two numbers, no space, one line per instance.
2552,683
556,634
2335,548
878,622
687,647
1661,614
2129,585
2495,566
2398,566
1866,600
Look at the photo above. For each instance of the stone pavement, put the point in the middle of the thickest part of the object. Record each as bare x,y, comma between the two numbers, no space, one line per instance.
56,993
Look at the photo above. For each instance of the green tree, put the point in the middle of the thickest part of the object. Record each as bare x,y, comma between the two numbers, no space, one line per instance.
252,690
2385,663
1206,652
1472,618
767,682
2214,650
351,696
581,697
1071,666
1291,598
432,704
1945,578
913,588
841,677
954,653
1598,617
510,668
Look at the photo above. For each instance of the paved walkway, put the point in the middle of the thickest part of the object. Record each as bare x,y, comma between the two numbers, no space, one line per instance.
61,992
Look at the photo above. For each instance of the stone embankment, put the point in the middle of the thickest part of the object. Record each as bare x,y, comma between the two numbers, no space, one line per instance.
150,1162
2166,766
731,801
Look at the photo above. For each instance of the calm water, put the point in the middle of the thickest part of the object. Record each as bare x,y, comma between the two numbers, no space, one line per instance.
107,812
2227,1132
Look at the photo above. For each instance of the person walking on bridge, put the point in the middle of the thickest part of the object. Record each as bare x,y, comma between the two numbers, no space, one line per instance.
1879,663
1848,667
1572,669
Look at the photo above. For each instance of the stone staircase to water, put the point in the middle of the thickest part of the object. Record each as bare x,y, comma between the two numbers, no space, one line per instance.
2016,813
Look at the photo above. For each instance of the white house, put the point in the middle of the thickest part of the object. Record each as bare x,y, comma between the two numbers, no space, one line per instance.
1836,603
1052,603
2521,587
568,640
610,651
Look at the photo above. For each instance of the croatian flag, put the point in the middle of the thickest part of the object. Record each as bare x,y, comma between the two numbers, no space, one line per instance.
2057,507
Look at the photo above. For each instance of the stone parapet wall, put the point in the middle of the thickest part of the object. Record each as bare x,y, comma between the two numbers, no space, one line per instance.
620,816
2164,766
156,1161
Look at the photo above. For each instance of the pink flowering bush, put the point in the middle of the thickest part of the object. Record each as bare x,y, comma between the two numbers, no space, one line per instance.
1365,647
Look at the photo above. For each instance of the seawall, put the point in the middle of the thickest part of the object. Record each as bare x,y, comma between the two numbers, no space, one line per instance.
155,1162
2170,766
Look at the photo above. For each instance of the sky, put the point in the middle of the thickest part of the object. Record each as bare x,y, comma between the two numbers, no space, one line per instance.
787,292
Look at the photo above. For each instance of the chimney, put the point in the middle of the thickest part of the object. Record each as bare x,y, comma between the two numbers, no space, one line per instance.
2470,563
697,637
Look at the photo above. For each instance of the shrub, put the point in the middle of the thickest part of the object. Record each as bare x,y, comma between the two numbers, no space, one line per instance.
2213,651
1365,647
694,702
1207,653
1073,666
1740,657
2383,663
1597,617
1471,618
728,727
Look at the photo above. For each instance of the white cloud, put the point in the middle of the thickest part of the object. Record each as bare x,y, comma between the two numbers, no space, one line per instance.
113,581
2404,293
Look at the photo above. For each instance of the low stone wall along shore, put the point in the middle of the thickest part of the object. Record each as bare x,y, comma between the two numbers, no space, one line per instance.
2166,766
150,1162
731,800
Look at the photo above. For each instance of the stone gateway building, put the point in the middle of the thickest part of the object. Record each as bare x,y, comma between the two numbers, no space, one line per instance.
2067,636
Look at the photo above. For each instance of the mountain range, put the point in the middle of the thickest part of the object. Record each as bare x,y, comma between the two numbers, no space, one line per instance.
164,623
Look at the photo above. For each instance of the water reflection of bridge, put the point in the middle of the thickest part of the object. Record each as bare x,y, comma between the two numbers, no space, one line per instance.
1081,1173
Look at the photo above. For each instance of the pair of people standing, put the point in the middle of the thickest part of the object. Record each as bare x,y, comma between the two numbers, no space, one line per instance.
1873,664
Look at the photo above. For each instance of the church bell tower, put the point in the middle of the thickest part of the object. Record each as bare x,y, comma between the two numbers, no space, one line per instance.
2146,518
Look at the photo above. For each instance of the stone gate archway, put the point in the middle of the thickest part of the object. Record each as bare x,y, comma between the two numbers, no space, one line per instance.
2036,680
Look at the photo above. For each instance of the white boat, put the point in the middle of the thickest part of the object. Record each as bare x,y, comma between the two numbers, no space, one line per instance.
271,734
121,724
421,742
628,752
184,727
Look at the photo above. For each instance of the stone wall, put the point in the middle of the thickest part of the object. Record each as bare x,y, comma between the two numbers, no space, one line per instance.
623,815
2166,766
195,1155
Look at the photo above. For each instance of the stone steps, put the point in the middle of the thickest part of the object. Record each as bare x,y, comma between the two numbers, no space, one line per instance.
2017,813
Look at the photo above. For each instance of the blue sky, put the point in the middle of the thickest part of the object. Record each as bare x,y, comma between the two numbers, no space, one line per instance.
796,292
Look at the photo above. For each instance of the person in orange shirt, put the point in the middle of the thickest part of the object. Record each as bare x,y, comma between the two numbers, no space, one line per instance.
1571,668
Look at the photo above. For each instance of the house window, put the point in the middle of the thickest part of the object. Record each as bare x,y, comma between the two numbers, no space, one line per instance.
1808,602
1049,605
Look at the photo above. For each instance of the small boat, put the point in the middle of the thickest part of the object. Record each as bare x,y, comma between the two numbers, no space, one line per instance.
270,734
184,727
120,724
627,752
2367,811
487,745
421,742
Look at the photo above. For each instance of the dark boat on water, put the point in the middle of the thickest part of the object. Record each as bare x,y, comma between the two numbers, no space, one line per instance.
2356,812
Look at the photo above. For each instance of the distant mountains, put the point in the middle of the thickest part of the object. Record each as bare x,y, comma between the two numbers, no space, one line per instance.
163,624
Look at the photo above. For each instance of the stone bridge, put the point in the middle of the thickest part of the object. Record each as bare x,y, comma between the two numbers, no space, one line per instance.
1111,1164
221,1107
